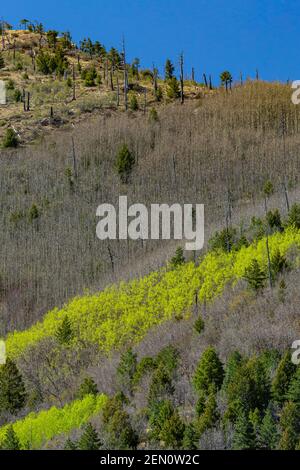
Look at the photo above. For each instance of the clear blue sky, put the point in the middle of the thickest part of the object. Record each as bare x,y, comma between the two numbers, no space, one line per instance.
237,35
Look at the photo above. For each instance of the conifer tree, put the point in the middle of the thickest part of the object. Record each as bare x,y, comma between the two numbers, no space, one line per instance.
11,440
255,276
12,389
169,70
64,333
232,366
243,437
70,445
89,439
189,438
294,388
173,91
88,387
268,435
124,163
178,258
209,372
290,426
282,378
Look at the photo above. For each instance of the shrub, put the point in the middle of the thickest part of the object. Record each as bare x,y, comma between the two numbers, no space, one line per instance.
199,325
10,139
153,115
133,103
10,85
173,88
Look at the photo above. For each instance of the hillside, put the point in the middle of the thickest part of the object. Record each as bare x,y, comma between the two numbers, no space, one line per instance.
138,344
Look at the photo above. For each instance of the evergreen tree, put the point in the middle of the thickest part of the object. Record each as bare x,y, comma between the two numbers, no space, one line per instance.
88,387
64,333
70,445
127,368
172,431
124,163
134,104
209,372
268,435
189,438
12,389
294,216
11,441
290,426
274,220
178,258
226,79
278,263
209,416
173,91
243,437
169,70
89,439
255,276
293,393
232,366
282,378
120,432
199,325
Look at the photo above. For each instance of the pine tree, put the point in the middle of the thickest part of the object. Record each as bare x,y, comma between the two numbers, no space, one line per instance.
64,333
209,372
209,416
88,387
12,389
278,263
11,440
189,438
89,439
178,258
70,445
268,435
173,88
290,426
120,432
294,216
124,163
232,366
293,393
127,368
169,70
282,378
243,437
255,276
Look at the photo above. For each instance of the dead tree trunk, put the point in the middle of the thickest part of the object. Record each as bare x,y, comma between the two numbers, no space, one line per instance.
125,76
74,86
205,80
181,80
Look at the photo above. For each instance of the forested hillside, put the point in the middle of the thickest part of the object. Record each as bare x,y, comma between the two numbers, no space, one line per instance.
129,344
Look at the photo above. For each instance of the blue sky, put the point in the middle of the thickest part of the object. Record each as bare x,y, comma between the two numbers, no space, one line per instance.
215,35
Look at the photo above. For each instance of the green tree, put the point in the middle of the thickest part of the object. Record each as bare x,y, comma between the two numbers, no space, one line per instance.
268,435
64,332
178,258
126,369
190,438
12,389
124,163
226,79
173,91
199,325
172,431
89,439
293,393
11,441
294,216
88,387
243,437
209,372
290,426
274,220
279,263
169,70
282,378
120,433
255,276
209,416
232,366
70,445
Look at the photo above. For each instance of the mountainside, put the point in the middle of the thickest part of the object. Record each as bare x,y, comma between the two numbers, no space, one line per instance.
125,344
